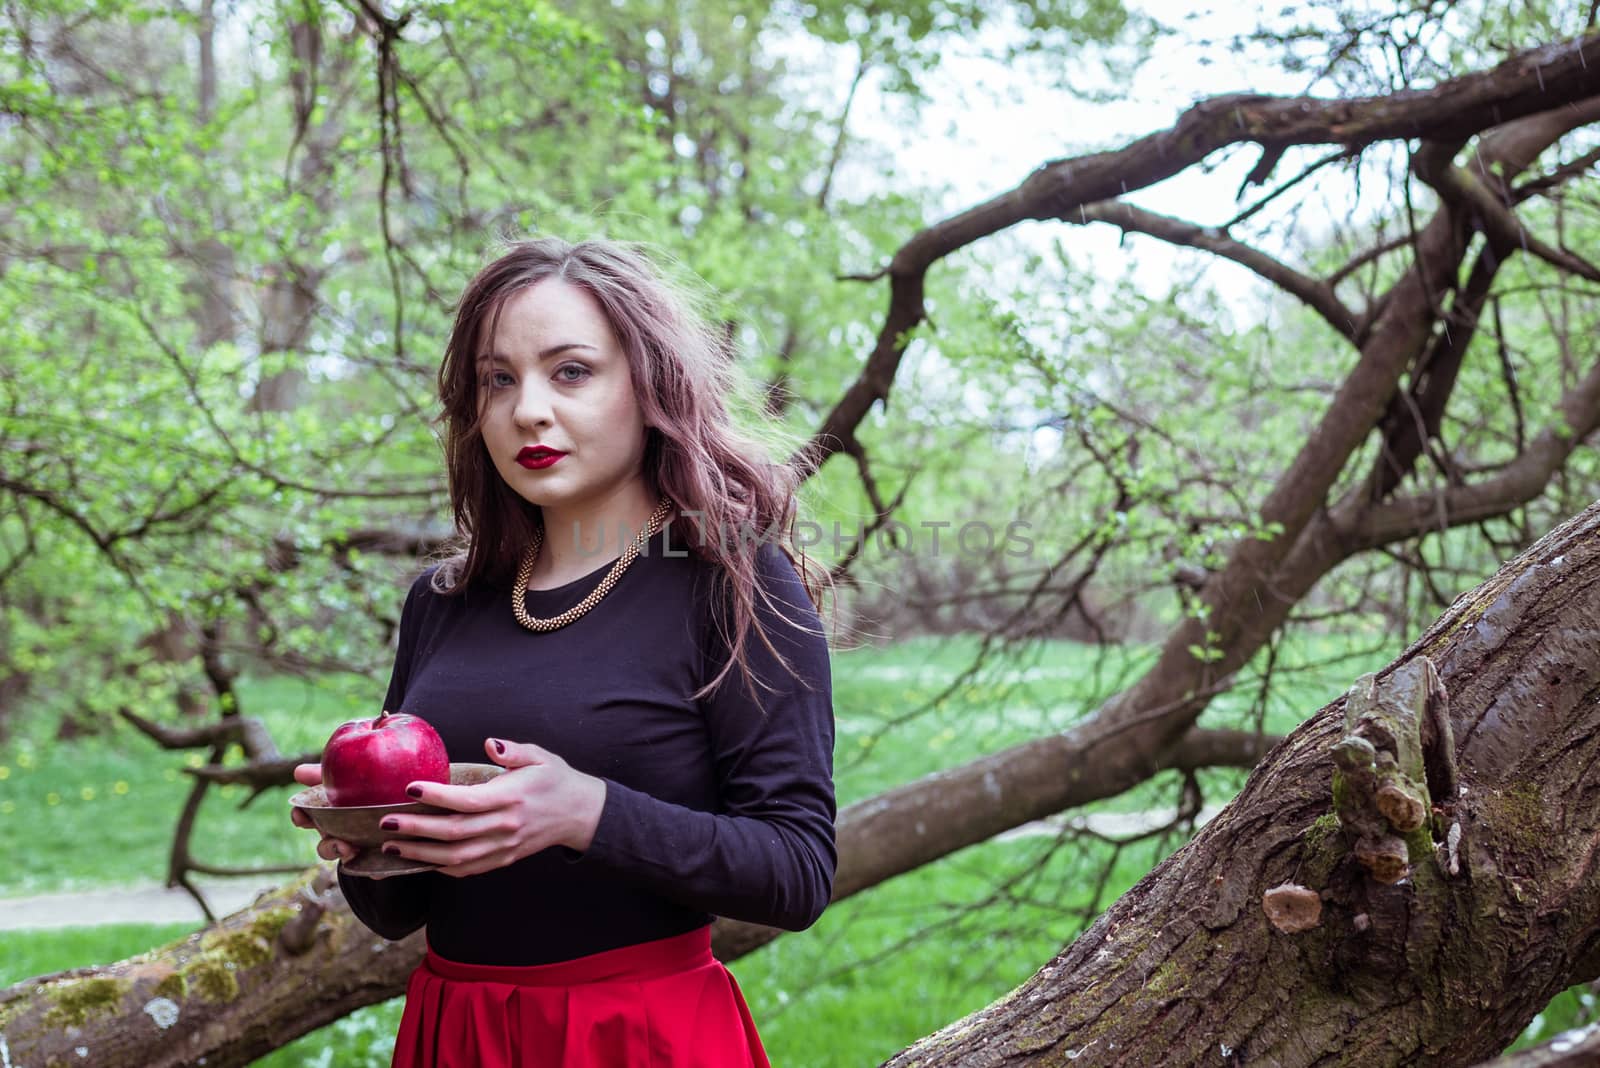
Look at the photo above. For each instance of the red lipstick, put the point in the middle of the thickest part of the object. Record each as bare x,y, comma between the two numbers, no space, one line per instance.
535,457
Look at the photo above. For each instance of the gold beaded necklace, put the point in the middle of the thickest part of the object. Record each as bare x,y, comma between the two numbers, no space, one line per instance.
629,554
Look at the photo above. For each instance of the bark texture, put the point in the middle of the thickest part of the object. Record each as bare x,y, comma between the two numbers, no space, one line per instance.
1498,911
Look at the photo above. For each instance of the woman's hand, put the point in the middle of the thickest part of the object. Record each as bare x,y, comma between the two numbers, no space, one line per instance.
539,802
327,848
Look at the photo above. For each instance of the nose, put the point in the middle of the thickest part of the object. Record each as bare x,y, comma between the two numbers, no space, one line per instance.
533,405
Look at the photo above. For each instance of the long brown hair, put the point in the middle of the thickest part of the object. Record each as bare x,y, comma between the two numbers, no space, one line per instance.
694,454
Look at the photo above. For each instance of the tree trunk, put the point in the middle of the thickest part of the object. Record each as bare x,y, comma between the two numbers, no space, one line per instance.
1498,911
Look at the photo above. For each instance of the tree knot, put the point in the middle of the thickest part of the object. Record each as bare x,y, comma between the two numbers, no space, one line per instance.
1382,772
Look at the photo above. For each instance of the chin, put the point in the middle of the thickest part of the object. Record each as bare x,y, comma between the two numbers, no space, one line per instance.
516,483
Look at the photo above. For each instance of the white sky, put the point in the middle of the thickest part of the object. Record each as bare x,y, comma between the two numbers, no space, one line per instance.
1005,119
989,124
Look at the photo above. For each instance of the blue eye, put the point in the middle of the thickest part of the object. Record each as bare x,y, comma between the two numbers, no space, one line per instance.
583,372
493,381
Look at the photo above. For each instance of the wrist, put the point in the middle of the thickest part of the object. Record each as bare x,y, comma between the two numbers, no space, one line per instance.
590,802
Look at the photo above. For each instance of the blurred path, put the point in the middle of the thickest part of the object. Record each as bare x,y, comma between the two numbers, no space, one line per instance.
150,903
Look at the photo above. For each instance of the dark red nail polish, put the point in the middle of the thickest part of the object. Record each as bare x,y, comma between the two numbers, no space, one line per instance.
390,824
500,747
391,851
413,791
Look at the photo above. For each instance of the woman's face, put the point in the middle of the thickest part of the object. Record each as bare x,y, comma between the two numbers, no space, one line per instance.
554,375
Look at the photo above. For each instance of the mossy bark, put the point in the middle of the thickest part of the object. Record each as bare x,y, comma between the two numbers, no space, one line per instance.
294,960
1442,968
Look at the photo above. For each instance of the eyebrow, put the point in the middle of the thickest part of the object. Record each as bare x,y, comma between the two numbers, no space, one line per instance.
553,350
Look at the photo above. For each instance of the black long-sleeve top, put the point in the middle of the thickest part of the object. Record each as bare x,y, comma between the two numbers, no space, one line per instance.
718,807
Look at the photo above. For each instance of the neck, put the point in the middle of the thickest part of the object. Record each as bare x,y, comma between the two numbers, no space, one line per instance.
578,540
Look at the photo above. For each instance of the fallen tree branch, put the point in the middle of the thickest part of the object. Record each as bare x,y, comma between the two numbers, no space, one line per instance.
237,990
912,825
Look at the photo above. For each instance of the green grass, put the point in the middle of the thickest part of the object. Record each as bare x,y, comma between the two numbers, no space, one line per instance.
31,953
122,793
1571,1008
877,972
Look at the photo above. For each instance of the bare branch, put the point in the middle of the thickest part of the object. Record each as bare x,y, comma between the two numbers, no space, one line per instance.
1556,178
1529,83
1318,296
1518,483
1367,255
1332,157
882,511
258,774
1243,600
1508,375
1416,412
844,123
250,734
1498,222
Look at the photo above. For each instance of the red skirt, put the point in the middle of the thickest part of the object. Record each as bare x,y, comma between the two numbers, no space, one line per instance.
662,1004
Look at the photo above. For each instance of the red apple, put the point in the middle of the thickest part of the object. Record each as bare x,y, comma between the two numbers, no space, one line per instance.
372,761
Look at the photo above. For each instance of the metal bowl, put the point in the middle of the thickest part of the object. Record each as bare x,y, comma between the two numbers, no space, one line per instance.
359,824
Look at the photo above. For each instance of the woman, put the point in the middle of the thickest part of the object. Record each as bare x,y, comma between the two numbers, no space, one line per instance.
623,628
